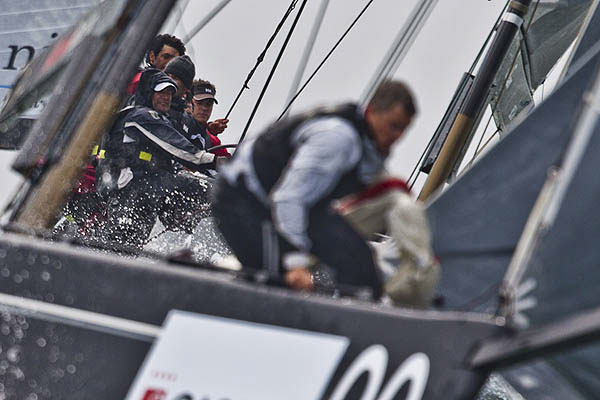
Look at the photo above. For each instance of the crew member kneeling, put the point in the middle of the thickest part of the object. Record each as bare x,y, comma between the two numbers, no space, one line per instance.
273,201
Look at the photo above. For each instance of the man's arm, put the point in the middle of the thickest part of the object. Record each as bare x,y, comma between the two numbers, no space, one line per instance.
325,149
217,126
165,138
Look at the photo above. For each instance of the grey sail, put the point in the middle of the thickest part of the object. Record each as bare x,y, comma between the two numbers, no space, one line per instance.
535,50
491,204
477,222
587,40
562,271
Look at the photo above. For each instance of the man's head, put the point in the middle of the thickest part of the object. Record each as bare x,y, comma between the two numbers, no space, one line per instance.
163,89
181,69
162,49
389,113
204,98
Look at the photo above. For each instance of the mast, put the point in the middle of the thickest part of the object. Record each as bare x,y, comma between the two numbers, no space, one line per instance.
96,109
511,23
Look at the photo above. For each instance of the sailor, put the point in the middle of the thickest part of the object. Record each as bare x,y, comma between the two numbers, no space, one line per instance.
163,49
189,204
273,201
84,207
181,69
136,169
203,102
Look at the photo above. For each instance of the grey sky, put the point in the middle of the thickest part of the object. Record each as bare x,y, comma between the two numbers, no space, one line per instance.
226,49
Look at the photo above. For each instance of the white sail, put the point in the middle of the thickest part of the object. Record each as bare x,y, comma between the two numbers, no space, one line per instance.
28,26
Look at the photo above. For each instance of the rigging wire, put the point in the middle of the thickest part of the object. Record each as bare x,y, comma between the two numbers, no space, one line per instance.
471,69
399,48
512,66
308,48
261,56
489,37
411,184
324,60
476,152
190,47
279,56
213,13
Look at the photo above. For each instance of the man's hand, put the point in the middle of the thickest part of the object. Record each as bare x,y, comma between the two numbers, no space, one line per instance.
299,279
217,126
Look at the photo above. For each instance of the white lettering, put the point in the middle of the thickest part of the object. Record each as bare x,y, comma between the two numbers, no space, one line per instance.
414,369
374,361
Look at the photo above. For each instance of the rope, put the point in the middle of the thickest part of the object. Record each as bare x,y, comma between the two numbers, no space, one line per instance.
324,60
221,146
264,90
261,57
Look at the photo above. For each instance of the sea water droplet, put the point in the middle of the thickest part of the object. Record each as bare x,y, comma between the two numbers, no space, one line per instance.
5,329
18,278
17,372
14,354
45,259
71,369
45,275
18,333
5,272
32,396
41,342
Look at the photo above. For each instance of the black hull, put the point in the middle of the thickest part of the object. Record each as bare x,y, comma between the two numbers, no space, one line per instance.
67,361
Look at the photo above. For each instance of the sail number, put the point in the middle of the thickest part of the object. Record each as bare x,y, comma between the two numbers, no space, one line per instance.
374,360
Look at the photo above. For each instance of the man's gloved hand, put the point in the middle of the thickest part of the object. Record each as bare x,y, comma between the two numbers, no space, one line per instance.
217,126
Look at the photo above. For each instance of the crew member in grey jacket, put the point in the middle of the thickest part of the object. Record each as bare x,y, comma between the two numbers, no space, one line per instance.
273,201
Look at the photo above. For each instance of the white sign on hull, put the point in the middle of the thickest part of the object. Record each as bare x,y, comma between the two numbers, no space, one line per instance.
216,358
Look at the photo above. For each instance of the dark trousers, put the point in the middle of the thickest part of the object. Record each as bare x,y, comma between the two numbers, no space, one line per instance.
247,227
